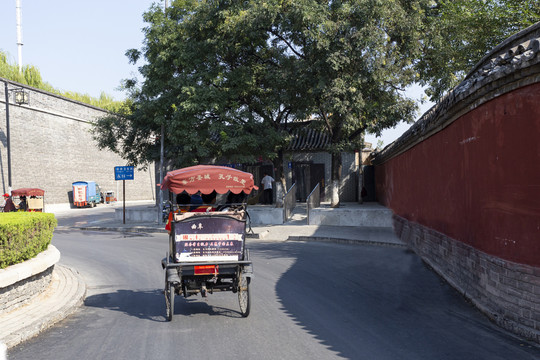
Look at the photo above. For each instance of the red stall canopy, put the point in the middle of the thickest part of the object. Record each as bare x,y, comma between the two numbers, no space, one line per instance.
28,192
207,178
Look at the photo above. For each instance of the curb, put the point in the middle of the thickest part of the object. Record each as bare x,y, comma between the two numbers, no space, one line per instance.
345,241
63,296
129,230
111,228
262,236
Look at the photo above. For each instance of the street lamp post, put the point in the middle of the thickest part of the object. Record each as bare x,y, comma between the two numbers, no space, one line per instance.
8,137
21,97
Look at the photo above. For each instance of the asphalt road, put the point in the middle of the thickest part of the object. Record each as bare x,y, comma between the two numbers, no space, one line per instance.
91,216
309,301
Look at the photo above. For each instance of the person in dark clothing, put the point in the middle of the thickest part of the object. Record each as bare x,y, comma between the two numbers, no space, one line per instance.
234,201
196,201
233,198
23,205
9,205
209,199
208,202
182,200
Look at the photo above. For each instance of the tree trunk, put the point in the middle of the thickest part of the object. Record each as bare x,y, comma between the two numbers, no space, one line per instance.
336,179
280,183
360,173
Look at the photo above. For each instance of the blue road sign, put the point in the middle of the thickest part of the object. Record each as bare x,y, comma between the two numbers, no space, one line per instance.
123,173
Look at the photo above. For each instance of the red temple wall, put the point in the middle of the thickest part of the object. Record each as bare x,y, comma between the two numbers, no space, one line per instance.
476,181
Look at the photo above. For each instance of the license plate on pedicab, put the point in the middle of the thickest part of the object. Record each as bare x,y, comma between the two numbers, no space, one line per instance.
206,270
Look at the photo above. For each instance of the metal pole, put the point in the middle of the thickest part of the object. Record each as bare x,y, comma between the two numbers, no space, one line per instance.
8,137
124,199
19,33
160,207
161,155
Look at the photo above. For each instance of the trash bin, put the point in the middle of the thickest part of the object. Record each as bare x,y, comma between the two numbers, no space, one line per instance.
109,197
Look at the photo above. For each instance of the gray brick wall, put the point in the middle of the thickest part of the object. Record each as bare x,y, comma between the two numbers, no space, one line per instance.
52,147
508,293
20,293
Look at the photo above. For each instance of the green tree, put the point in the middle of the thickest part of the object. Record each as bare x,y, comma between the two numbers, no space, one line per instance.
212,80
460,32
226,77
354,60
201,82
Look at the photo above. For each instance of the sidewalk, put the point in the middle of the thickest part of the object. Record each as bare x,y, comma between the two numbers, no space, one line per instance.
294,230
67,289
63,296
325,233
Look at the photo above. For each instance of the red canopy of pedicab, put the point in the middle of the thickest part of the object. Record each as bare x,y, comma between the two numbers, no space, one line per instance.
28,192
207,178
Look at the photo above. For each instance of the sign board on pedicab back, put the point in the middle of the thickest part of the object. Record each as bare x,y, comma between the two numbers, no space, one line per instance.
123,173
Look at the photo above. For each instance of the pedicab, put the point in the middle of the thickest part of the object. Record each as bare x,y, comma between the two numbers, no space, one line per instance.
207,251
33,199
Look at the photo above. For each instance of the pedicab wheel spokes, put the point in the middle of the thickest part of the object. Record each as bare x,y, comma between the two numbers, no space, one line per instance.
169,300
243,294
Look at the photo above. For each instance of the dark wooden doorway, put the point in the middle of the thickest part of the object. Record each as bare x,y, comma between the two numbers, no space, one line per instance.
307,176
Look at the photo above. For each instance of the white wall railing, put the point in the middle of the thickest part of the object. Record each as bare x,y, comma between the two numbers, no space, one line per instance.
313,200
289,202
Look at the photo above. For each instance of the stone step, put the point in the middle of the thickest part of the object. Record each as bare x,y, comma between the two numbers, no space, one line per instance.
350,214
299,215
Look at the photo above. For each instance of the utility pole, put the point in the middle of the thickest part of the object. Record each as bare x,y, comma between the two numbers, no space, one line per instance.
160,207
19,34
161,156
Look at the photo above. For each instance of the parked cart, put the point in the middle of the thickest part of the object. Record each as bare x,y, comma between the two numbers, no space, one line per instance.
86,193
33,199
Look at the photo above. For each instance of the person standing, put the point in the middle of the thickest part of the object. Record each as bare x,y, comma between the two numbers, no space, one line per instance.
268,195
9,205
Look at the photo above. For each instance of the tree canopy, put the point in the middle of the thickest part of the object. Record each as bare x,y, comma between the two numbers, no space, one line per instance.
206,82
460,32
226,78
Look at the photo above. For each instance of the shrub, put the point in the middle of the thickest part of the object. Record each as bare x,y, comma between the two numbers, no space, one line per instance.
23,235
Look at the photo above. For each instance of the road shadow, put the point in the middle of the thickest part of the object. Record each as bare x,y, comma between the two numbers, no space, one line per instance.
197,305
143,304
150,305
383,302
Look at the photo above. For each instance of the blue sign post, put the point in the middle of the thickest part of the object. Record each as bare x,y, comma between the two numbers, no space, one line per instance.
123,173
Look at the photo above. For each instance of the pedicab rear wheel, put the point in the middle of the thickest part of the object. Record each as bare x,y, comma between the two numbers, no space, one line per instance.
243,294
169,299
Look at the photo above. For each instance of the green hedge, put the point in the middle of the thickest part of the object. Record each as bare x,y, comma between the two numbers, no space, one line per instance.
23,235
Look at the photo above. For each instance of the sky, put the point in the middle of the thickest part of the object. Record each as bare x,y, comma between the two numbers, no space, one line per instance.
80,46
